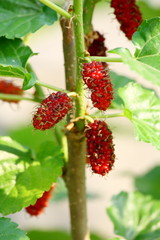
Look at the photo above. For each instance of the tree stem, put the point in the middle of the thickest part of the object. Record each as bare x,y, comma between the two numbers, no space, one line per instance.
69,53
56,8
75,181
75,174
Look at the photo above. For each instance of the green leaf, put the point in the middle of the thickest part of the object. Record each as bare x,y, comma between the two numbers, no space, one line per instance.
147,10
56,235
117,238
118,81
14,52
142,107
23,180
9,230
48,235
148,184
13,58
146,60
19,18
135,216
28,136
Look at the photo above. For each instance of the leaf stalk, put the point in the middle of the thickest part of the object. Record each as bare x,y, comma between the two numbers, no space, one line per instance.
56,8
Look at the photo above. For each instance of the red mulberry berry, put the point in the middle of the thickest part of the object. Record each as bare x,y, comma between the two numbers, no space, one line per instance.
10,88
51,110
96,47
128,15
95,44
41,203
96,77
100,148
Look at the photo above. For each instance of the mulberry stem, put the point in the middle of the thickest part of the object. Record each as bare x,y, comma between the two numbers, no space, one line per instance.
16,97
109,115
102,59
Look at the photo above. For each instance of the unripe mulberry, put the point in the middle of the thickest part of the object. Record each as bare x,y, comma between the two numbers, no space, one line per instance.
128,15
100,148
51,110
9,88
96,77
41,203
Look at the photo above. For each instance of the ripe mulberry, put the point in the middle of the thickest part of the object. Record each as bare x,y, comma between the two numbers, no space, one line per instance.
41,203
51,110
128,15
96,77
100,148
9,88
95,44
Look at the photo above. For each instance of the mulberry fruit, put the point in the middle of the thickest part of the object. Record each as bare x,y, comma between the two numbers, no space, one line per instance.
10,88
51,110
100,148
96,77
41,203
95,44
128,15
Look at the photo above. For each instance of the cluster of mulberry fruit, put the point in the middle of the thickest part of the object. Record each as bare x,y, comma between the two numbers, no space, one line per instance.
10,88
51,110
100,148
41,203
96,77
128,15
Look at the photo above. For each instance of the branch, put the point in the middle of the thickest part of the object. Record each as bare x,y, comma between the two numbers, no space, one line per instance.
4,96
89,6
80,48
101,59
109,115
56,8
43,84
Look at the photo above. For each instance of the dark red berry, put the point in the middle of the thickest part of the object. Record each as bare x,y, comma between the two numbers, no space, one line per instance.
95,44
96,77
41,203
128,15
51,110
100,148
9,88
